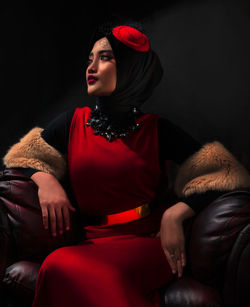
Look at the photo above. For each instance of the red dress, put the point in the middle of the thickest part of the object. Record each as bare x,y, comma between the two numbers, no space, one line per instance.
116,265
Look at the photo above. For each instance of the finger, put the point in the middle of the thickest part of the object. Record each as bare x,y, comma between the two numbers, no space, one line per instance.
170,258
174,262
59,219
182,252
183,258
66,216
179,267
178,263
70,206
45,217
52,218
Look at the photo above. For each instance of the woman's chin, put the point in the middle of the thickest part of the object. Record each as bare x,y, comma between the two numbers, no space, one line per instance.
98,93
92,93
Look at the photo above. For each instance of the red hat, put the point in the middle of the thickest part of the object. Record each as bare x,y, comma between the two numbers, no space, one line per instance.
132,38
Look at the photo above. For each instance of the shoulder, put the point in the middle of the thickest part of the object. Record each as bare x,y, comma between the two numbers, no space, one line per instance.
62,117
164,120
166,126
69,114
177,143
80,114
80,110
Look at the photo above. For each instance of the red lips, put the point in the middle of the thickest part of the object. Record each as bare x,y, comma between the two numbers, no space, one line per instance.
91,79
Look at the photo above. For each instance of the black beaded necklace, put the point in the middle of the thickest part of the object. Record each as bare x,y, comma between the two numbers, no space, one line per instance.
113,126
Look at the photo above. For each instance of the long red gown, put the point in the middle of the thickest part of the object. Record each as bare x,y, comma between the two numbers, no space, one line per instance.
116,265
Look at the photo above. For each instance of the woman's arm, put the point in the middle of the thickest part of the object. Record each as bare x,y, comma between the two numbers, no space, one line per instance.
205,173
172,235
176,145
54,135
206,170
40,154
54,202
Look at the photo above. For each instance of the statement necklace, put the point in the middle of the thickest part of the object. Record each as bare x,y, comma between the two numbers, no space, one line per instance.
112,126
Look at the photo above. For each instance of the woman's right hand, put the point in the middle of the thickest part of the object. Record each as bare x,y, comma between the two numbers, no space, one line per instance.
54,203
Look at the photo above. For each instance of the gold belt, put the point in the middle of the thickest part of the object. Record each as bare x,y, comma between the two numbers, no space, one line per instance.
126,216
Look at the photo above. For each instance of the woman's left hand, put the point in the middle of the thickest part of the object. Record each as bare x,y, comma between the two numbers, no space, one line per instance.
173,242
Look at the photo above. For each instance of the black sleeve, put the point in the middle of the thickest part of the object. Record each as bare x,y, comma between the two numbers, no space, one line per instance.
198,201
177,145
26,171
56,134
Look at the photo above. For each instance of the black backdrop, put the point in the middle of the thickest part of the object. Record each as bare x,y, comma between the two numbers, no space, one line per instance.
204,47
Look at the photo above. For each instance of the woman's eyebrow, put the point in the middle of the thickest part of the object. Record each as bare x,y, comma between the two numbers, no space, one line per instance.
101,51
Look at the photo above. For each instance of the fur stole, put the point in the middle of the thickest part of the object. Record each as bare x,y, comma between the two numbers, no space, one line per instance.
213,167
32,151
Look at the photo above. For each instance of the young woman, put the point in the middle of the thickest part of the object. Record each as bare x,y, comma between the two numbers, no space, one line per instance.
115,157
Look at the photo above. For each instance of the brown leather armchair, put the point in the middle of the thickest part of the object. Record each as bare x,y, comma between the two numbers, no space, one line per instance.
218,248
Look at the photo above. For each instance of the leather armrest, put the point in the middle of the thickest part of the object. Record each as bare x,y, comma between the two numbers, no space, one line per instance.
19,199
214,233
20,281
189,292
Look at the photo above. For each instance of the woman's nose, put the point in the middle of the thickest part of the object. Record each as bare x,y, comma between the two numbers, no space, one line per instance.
92,66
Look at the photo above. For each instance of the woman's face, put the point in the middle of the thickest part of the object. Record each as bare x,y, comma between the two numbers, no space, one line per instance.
101,70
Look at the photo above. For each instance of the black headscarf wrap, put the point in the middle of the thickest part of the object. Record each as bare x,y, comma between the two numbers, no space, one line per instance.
138,73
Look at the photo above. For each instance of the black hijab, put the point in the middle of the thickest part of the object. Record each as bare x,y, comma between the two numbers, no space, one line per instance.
138,73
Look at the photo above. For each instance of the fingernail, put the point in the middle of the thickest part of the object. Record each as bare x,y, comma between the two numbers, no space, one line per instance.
61,232
67,228
54,234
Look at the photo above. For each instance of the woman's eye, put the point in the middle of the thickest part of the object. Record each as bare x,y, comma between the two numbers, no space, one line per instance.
105,57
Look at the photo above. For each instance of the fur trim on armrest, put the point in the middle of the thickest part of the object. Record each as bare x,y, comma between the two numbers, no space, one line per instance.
213,167
32,151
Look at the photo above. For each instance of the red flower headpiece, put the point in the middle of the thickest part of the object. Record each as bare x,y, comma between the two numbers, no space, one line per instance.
131,37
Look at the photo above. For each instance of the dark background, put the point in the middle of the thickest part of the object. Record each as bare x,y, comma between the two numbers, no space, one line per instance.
204,47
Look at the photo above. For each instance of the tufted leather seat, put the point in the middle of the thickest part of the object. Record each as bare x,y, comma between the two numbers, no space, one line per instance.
218,248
